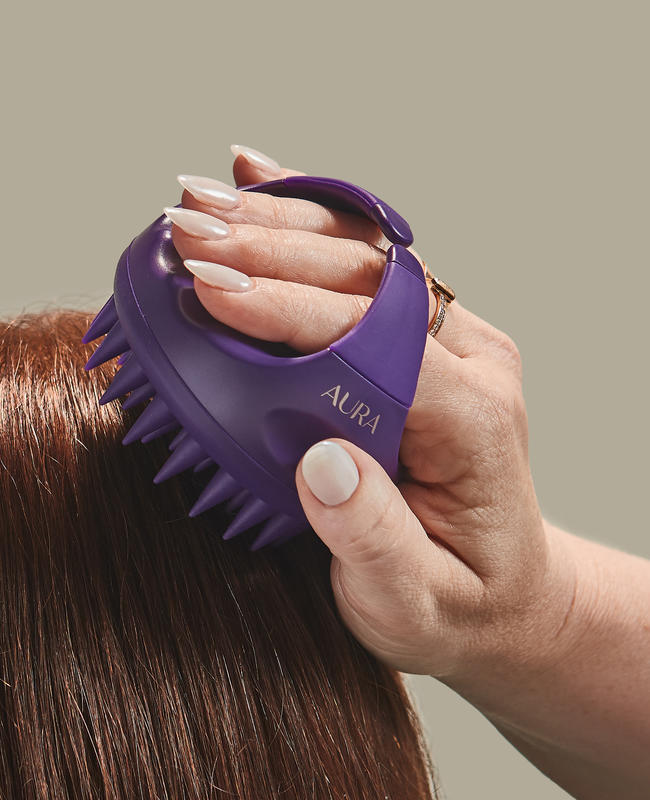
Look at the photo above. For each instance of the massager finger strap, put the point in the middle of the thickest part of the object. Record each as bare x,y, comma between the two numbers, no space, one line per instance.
342,196
387,344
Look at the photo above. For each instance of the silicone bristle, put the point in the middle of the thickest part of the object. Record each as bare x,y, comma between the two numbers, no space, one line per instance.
237,501
281,526
207,462
129,377
113,344
123,357
186,455
104,320
139,396
285,538
149,437
253,511
155,415
221,486
177,439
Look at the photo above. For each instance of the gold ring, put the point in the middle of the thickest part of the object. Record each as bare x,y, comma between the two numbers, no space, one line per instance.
444,295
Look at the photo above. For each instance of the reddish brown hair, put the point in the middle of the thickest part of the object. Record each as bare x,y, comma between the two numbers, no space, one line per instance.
142,656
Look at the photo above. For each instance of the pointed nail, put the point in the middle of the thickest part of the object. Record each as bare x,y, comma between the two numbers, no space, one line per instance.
196,223
210,191
219,276
255,158
330,472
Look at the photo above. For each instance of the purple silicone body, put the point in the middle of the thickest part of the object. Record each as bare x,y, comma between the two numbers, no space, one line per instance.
255,407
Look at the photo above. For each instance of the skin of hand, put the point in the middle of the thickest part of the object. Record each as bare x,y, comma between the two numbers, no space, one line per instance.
439,573
451,572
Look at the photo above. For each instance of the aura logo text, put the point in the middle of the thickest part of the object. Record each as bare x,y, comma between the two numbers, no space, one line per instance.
358,411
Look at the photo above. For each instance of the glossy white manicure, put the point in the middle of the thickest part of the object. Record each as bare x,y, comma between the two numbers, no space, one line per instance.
219,276
196,223
255,157
330,472
210,191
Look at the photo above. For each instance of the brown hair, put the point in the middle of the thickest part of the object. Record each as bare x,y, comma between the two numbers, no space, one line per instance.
142,656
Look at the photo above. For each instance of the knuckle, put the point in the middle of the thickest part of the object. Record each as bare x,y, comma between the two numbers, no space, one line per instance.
358,304
509,350
507,343
297,312
496,411
374,536
500,402
279,212
503,403
264,248
510,347
519,412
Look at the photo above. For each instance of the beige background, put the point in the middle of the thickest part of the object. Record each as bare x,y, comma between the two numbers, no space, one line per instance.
512,135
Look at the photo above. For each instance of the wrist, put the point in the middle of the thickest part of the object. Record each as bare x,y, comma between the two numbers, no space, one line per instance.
522,651
554,627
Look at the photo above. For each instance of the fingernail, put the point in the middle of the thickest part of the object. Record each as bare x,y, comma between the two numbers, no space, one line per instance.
330,472
210,191
196,223
255,158
219,276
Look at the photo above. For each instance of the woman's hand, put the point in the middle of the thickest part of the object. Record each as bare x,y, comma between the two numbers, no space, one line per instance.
449,570
453,572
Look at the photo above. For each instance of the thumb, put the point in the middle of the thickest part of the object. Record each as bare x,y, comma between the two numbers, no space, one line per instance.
359,513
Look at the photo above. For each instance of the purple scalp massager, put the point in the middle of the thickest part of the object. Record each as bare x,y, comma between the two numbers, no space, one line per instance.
250,407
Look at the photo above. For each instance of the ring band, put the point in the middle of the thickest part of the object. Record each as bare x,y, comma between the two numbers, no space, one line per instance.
444,295
438,316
